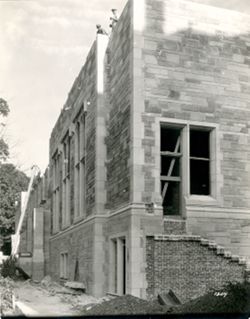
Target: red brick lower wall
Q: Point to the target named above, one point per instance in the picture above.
(186, 267)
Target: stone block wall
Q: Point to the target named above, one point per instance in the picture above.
(196, 68)
(118, 88)
(187, 267)
(191, 66)
(132, 224)
(231, 228)
(82, 237)
(79, 244)
(83, 92)
(34, 238)
(165, 61)
(47, 232)
(115, 226)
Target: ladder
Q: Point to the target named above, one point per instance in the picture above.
(15, 239)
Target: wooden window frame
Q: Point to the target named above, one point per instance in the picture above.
(187, 198)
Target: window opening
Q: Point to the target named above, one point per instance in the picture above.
(66, 181)
(56, 191)
(170, 169)
(80, 155)
(199, 162)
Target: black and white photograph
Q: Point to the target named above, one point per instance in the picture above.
(125, 158)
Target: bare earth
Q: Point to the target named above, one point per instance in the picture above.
(49, 299)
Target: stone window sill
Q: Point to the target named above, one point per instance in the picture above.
(200, 200)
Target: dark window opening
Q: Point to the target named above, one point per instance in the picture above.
(199, 173)
(199, 162)
(170, 169)
(171, 200)
(169, 138)
(166, 164)
(199, 144)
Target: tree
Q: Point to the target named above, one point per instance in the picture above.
(4, 107)
(4, 149)
(12, 183)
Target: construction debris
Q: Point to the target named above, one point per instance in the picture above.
(6, 296)
(124, 305)
(169, 299)
(75, 285)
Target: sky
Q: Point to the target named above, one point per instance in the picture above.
(43, 45)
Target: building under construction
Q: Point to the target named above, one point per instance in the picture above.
(148, 181)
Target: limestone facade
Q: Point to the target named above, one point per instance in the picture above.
(154, 137)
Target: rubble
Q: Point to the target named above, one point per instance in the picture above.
(49, 298)
(6, 295)
(75, 285)
(124, 305)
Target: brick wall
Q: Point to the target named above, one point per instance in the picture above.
(174, 226)
(118, 102)
(187, 267)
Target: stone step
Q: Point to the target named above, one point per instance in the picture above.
(243, 261)
(227, 254)
(235, 258)
(220, 250)
(212, 245)
(204, 242)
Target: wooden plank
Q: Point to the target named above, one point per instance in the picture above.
(199, 158)
(170, 170)
(171, 154)
(170, 178)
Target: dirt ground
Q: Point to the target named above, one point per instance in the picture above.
(50, 299)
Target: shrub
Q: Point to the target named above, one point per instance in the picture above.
(8, 268)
